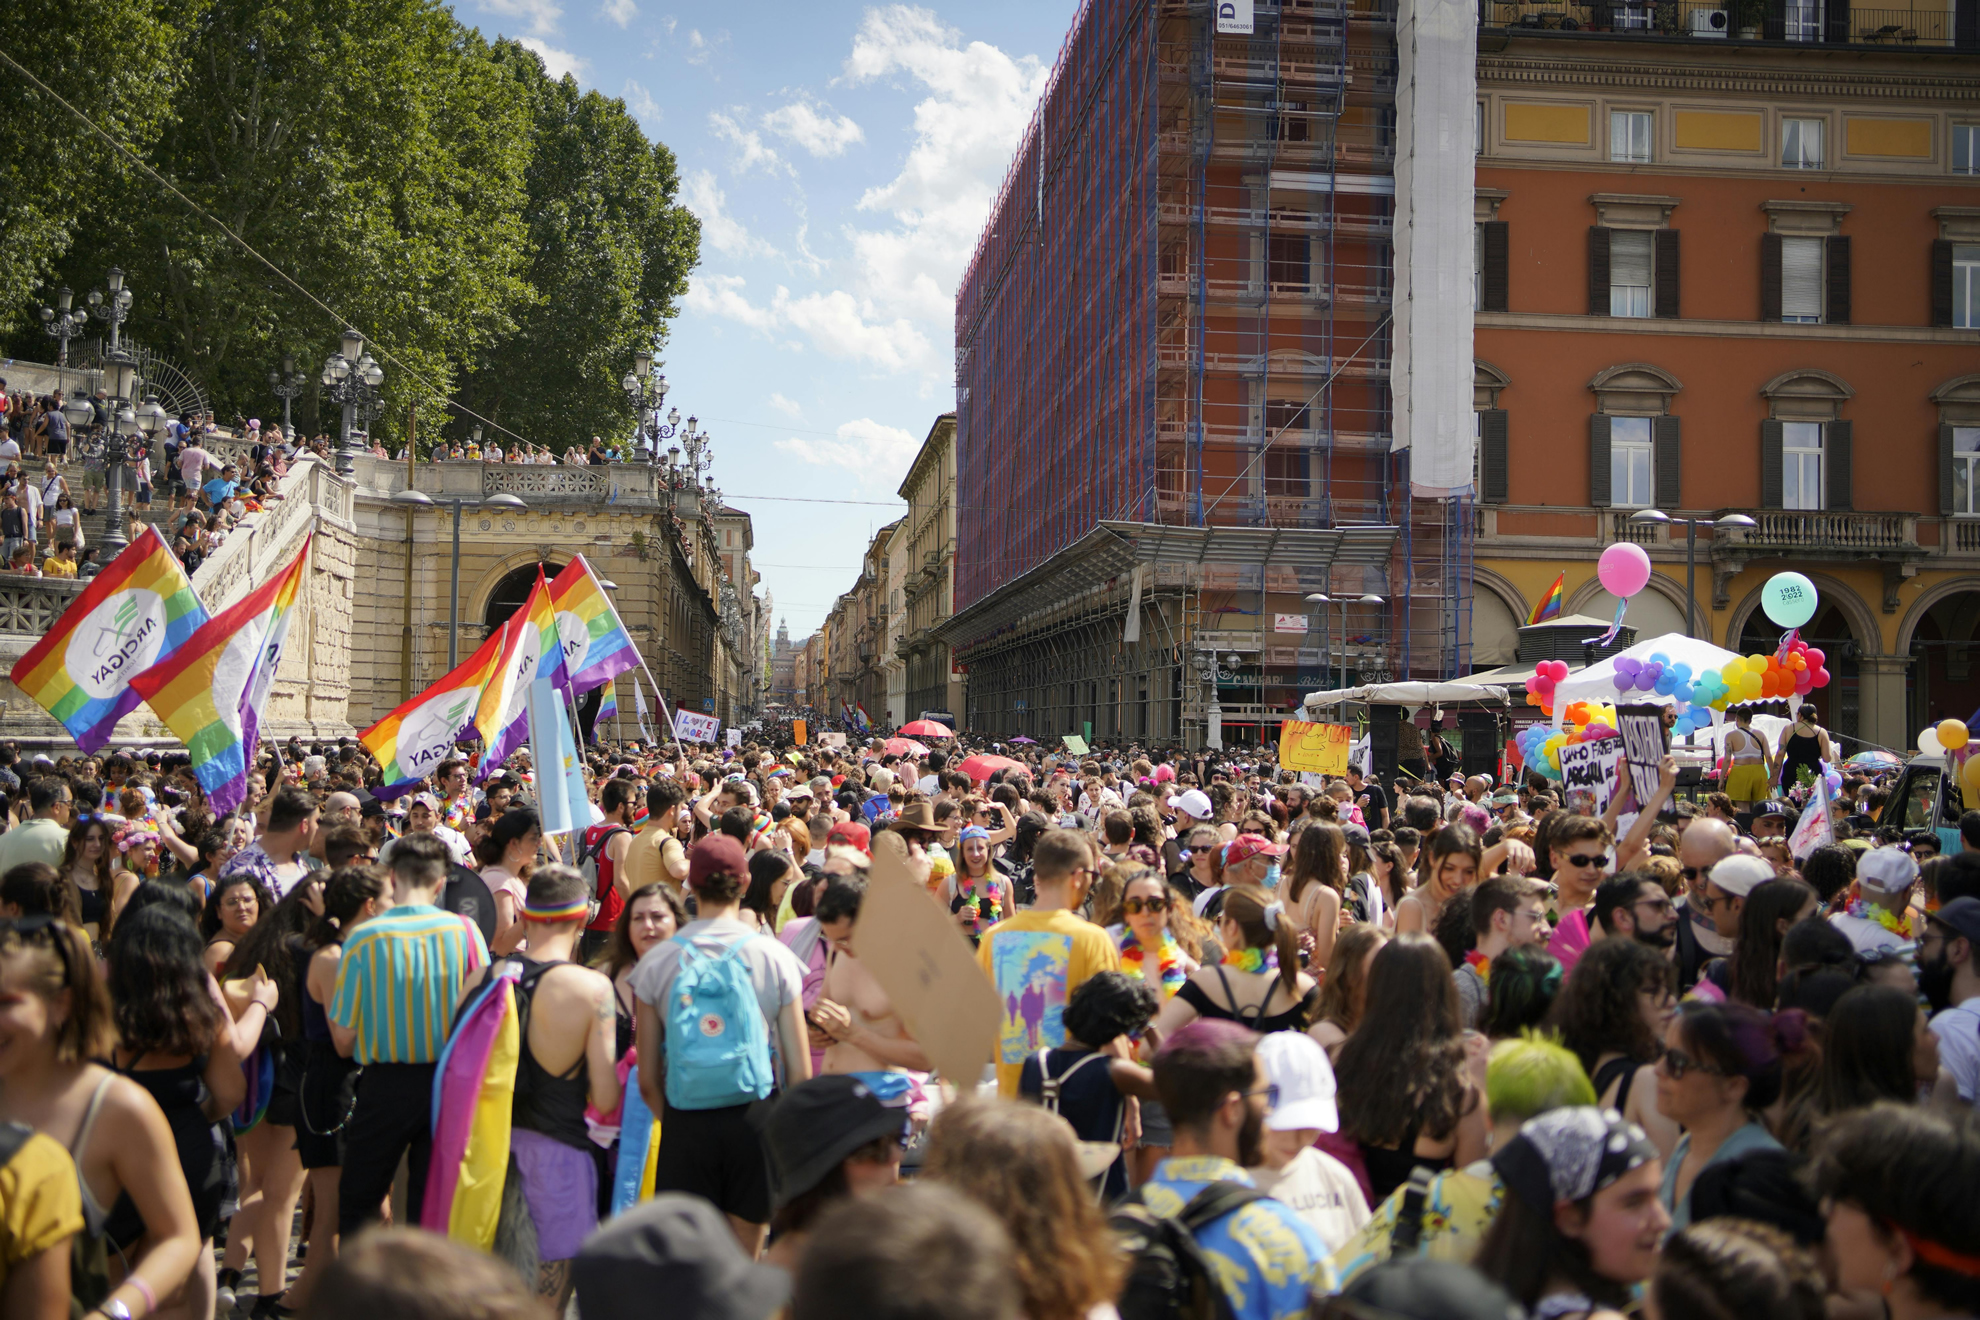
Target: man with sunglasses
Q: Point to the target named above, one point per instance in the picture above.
(1701, 847)
(1581, 852)
(1634, 906)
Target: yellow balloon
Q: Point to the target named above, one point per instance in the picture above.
(1757, 663)
(1952, 734)
(1731, 671)
(1969, 773)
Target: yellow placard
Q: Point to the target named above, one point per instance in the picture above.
(797, 732)
(1319, 748)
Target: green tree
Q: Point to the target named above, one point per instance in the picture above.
(608, 254)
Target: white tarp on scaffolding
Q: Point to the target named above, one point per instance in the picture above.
(1431, 373)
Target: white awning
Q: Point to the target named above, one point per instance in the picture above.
(1411, 694)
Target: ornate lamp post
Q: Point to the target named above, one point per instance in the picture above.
(285, 385)
(112, 310)
(349, 377)
(683, 475)
(647, 388)
(120, 382)
(63, 322)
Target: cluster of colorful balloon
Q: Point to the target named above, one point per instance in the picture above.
(1657, 674)
(1583, 721)
(1547, 675)
(1951, 739)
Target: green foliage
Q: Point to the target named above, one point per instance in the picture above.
(481, 223)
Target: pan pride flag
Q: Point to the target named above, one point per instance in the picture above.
(138, 611)
(537, 653)
(212, 690)
(413, 740)
(596, 644)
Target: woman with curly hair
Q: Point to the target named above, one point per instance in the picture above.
(1612, 1013)
(1406, 1095)
(1022, 1163)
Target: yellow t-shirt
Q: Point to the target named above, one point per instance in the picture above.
(1036, 960)
(57, 566)
(40, 1202)
(642, 864)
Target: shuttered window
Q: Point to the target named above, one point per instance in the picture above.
(1801, 279)
(1629, 272)
(1801, 465)
(1494, 467)
(1630, 486)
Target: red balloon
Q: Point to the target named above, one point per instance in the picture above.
(1821, 679)
(1803, 681)
(1815, 657)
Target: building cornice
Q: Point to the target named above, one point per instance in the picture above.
(1583, 325)
(1630, 71)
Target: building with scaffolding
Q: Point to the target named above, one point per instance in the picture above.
(1184, 404)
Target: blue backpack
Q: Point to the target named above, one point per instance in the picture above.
(718, 1046)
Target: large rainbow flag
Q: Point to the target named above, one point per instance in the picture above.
(538, 654)
(596, 643)
(414, 739)
(136, 612)
(212, 690)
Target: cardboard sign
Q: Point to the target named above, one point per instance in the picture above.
(690, 727)
(735, 737)
(1590, 768)
(1075, 744)
(797, 732)
(1321, 748)
(1645, 743)
(924, 962)
(832, 739)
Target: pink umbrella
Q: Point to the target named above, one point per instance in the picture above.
(905, 747)
(926, 729)
(981, 766)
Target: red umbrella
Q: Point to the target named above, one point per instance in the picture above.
(926, 729)
(905, 747)
(981, 766)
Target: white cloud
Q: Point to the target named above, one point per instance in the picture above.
(719, 229)
(879, 453)
(750, 151)
(640, 101)
(557, 62)
(966, 129)
(822, 135)
(540, 16)
(788, 407)
(622, 12)
(701, 48)
(835, 323)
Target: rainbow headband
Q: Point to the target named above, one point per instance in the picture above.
(570, 911)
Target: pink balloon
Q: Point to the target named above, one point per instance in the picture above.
(1624, 569)
(1821, 679)
(1815, 657)
(1803, 682)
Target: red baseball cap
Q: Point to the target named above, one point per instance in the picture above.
(1247, 846)
(852, 834)
(717, 854)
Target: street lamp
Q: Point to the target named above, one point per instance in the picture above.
(647, 388)
(63, 322)
(120, 382)
(351, 377)
(285, 385)
(1322, 598)
(1655, 517)
(419, 499)
(113, 309)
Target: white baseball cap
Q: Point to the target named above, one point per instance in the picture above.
(1195, 803)
(1887, 870)
(1297, 1065)
(1739, 874)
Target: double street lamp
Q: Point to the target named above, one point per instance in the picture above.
(1321, 598)
(647, 388)
(351, 378)
(63, 322)
(128, 419)
(419, 499)
(1656, 517)
(285, 385)
(111, 308)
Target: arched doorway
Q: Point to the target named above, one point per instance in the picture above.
(1945, 670)
(512, 593)
(1838, 705)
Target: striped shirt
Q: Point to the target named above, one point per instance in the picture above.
(400, 978)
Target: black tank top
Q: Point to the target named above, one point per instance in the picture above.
(1296, 1018)
(550, 1104)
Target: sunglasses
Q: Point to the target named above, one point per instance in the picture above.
(1134, 907)
(1584, 859)
(1677, 1063)
(1270, 1091)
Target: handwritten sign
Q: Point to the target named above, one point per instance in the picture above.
(735, 737)
(1075, 744)
(1645, 741)
(1321, 748)
(690, 727)
(1590, 768)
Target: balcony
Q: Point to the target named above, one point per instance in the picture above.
(1796, 22)
(1887, 539)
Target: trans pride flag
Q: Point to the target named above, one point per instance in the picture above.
(212, 690)
(596, 643)
(134, 614)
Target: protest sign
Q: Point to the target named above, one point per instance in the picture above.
(797, 732)
(1321, 748)
(924, 962)
(735, 737)
(1075, 744)
(1645, 742)
(832, 738)
(1590, 768)
(690, 727)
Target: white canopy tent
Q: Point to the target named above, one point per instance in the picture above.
(1598, 681)
(1411, 694)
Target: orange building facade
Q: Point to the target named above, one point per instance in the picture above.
(1737, 274)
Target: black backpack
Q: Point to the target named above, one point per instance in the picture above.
(1168, 1277)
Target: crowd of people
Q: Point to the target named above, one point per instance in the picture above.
(1266, 1045)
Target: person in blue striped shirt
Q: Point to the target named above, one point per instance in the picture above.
(397, 988)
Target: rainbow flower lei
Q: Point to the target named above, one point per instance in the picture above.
(1252, 960)
(982, 905)
(1480, 964)
(1883, 916)
(1168, 961)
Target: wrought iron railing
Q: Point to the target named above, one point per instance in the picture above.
(1800, 21)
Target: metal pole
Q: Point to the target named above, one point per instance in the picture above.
(454, 597)
(1690, 577)
(288, 431)
(115, 452)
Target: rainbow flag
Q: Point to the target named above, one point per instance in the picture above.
(135, 613)
(212, 690)
(413, 740)
(1549, 606)
(596, 643)
(538, 653)
(609, 707)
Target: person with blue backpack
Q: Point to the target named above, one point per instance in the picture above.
(720, 1007)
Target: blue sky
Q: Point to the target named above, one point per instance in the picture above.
(842, 158)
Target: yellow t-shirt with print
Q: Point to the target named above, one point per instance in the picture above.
(40, 1202)
(1036, 960)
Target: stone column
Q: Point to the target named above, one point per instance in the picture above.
(1883, 691)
